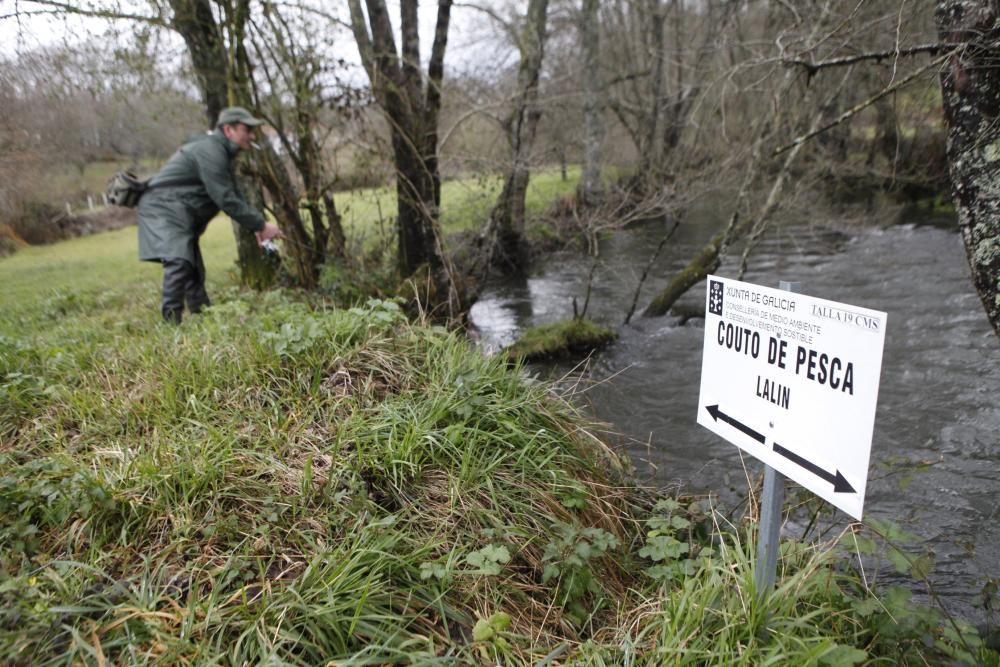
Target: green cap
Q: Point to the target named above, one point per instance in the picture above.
(231, 115)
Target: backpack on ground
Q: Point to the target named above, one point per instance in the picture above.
(125, 189)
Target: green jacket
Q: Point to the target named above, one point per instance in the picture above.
(193, 186)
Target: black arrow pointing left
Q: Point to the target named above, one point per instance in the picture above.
(840, 483)
(718, 414)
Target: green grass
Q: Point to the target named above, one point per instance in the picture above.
(105, 261)
(269, 480)
(282, 481)
(465, 203)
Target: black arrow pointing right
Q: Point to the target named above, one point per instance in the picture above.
(840, 483)
(718, 414)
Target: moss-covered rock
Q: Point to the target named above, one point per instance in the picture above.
(561, 339)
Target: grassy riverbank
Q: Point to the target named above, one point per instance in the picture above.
(281, 481)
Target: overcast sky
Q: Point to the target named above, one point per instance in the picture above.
(471, 40)
(23, 30)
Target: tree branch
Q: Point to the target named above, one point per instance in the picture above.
(649, 266)
(362, 38)
(55, 7)
(813, 67)
(860, 106)
(435, 66)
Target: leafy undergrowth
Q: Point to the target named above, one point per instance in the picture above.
(278, 482)
(575, 336)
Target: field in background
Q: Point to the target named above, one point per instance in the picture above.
(109, 259)
(73, 185)
(465, 203)
(464, 199)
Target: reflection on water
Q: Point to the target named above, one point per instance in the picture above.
(937, 406)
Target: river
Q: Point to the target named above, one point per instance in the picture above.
(935, 462)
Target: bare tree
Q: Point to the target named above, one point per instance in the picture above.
(411, 103)
(661, 50)
(591, 190)
(295, 86)
(505, 231)
(215, 33)
(780, 120)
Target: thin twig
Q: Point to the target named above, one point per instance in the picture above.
(649, 265)
(586, 300)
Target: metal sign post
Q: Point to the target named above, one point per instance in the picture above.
(771, 503)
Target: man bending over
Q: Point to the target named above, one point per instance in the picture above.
(193, 186)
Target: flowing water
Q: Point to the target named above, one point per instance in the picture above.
(938, 409)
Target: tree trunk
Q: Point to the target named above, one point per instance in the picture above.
(886, 139)
(417, 201)
(303, 255)
(970, 89)
(591, 189)
(194, 21)
(705, 262)
(328, 232)
(258, 270)
(505, 232)
(411, 105)
(652, 148)
(336, 239)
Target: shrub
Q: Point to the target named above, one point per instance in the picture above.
(37, 222)
(10, 242)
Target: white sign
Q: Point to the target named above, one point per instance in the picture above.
(793, 380)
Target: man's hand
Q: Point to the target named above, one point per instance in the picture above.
(270, 231)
